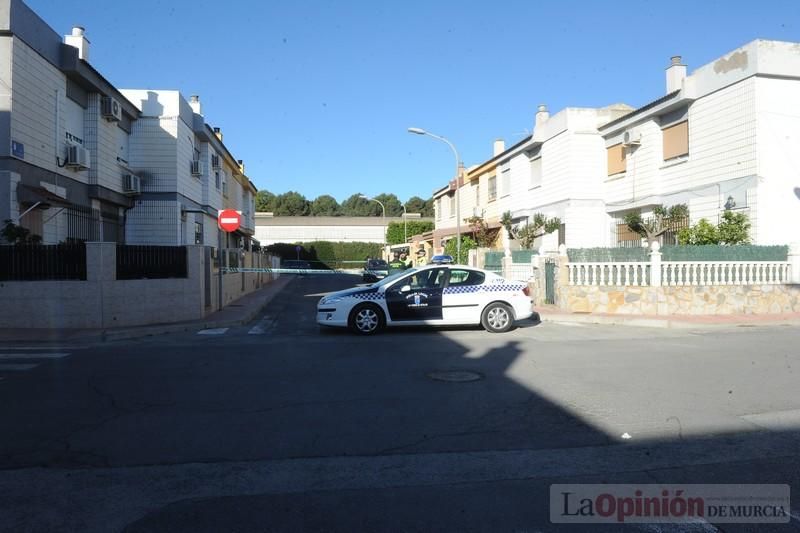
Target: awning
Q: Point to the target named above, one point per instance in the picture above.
(27, 195)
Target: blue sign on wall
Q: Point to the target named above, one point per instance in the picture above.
(18, 149)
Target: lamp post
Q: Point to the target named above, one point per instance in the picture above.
(419, 131)
(405, 223)
(383, 209)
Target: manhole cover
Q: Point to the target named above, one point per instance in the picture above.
(458, 376)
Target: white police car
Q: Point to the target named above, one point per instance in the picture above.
(430, 295)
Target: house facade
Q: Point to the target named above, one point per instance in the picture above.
(720, 138)
(64, 134)
(187, 175)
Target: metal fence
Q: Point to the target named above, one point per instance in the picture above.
(43, 262)
(151, 262)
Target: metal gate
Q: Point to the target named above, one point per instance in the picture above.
(207, 275)
(550, 281)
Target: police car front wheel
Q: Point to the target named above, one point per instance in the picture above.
(366, 319)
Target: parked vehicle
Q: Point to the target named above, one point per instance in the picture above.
(375, 270)
(431, 295)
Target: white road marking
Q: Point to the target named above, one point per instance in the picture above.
(795, 516)
(12, 367)
(43, 355)
(42, 348)
(256, 330)
(213, 331)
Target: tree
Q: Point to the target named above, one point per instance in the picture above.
(734, 228)
(393, 206)
(291, 204)
(662, 221)
(15, 234)
(527, 234)
(395, 231)
(704, 232)
(467, 244)
(265, 202)
(355, 206)
(325, 206)
(480, 230)
(415, 204)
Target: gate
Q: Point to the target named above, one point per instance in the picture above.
(550, 281)
(207, 275)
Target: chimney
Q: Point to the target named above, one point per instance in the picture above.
(499, 147)
(218, 133)
(78, 40)
(541, 116)
(676, 73)
(241, 165)
(194, 103)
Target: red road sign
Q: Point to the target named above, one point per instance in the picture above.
(229, 220)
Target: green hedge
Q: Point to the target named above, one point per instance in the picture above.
(711, 252)
(607, 255)
(715, 252)
(327, 253)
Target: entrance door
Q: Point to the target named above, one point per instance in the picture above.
(417, 297)
(550, 281)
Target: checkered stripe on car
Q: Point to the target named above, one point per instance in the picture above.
(478, 288)
(368, 296)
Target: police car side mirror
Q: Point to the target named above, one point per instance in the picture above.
(405, 288)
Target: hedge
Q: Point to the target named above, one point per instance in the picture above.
(327, 254)
(711, 252)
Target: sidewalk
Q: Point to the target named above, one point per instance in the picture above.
(550, 313)
(239, 312)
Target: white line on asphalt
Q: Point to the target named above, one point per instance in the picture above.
(42, 348)
(213, 331)
(16, 367)
(795, 516)
(256, 330)
(43, 355)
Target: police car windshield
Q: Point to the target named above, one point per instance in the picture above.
(391, 278)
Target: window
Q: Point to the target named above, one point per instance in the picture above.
(616, 159)
(452, 205)
(198, 233)
(438, 209)
(536, 172)
(676, 140)
(216, 179)
(477, 193)
(465, 277)
(505, 182)
(427, 279)
(492, 188)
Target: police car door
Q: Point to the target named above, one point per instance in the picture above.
(462, 297)
(417, 297)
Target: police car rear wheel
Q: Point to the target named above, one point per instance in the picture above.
(497, 318)
(366, 319)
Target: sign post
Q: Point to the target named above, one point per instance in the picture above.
(228, 221)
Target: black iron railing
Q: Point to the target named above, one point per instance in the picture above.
(43, 262)
(151, 262)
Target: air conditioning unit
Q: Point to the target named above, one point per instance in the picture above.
(631, 138)
(110, 109)
(77, 157)
(215, 162)
(131, 184)
(197, 168)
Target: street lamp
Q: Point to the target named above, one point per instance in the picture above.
(383, 208)
(419, 131)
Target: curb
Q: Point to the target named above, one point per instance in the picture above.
(659, 323)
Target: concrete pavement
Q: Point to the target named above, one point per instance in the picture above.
(283, 427)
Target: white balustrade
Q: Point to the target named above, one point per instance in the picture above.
(678, 273)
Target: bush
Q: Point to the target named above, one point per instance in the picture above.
(395, 231)
(327, 253)
(467, 244)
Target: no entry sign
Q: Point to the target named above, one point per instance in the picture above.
(229, 220)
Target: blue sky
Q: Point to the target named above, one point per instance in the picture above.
(316, 96)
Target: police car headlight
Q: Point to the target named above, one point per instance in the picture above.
(331, 300)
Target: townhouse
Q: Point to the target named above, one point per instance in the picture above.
(81, 160)
(721, 138)
(724, 137)
(185, 174)
(64, 134)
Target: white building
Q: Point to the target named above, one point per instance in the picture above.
(187, 175)
(64, 134)
(271, 229)
(726, 136)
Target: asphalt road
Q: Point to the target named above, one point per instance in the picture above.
(279, 426)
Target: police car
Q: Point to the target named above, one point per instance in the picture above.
(431, 295)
